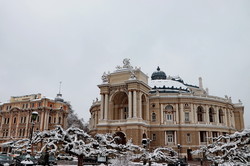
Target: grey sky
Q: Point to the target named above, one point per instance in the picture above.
(45, 42)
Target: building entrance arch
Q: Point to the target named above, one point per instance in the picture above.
(120, 106)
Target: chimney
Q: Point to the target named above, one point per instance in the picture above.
(200, 83)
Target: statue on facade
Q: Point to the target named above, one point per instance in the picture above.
(104, 78)
(126, 63)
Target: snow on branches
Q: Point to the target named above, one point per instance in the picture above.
(77, 142)
(160, 154)
(228, 148)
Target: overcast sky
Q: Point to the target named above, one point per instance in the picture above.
(45, 42)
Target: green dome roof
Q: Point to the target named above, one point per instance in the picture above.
(158, 75)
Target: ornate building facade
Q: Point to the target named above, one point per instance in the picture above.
(165, 109)
(15, 116)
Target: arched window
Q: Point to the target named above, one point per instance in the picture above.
(120, 105)
(221, 114)
(200, 114)
(211, 114)
(59, 120)
(169, 108)
(169, 113)
(153, 117)
(14, 121)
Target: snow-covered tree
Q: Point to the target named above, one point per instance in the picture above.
(21, 145)
(161, 154)
(74, 121)
(228, 148)
(76, 142)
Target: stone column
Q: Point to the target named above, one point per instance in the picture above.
(162, 114)
(193, 112)
(140, 106)
(46, 119)
(147, 109)
(175, 137)
(182, 115)
(134, 104)
(27, 131)
(228, 117)
(57, 117)
(106, 106)
(232, 119)
(177, 114)
(41, 121)
(216, 116)
(102, 106)
(17, 124)
(95, 119)
(129, 104)
(207, 114)
(225, 117)
(10, 123)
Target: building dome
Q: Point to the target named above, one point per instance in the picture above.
(59, 97)
(158, 75)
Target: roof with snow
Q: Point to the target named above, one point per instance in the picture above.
(169, 84)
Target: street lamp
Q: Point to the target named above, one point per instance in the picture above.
(145, 143)
(179, 149)
(33, 118)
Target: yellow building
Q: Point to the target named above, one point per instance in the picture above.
(165, 109)
(15, 116)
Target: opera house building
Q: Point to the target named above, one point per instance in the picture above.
(163, 108)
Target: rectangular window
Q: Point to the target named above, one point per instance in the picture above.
(169, 117)
(154, 137)
(186, 116)
(153, 117)
(7, 132)
(203, 136)
(170, 138)
(215, 134)
(188, 138)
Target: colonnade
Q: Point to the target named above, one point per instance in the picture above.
(135, 107)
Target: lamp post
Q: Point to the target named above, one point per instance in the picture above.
(179, 149)
(33, 118)
(145, 144)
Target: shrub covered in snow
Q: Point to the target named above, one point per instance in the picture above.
(229, 148)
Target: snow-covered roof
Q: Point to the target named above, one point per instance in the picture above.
(167, 84)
